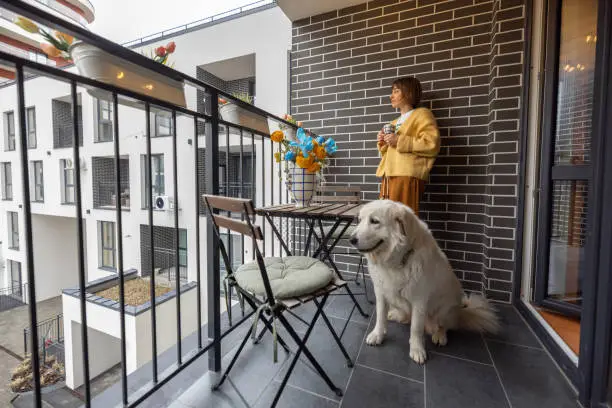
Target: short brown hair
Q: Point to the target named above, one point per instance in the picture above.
(411, 89)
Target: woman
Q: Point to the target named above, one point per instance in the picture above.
(408, 153)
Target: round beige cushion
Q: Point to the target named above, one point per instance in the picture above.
(291, 276)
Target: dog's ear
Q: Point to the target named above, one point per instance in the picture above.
(404, 217)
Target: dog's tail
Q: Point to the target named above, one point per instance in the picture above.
(478, 315)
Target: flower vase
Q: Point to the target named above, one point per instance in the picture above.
(301, 185)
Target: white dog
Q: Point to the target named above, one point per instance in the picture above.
(412, 275)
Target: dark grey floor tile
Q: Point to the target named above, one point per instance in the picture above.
(373, 389)
(200, 394)
(293, 398)
(514, 329)
(530, 377)
(464, 345)
(452, 383)
(340, 304)
(393, 355)
(329, 356)
(255, 368)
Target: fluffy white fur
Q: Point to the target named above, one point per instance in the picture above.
(413, 280)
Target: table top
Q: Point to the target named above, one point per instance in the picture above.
(328, 211)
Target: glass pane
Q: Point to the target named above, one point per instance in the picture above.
(576, 74)
(567, 240)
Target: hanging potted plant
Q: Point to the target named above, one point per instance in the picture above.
(230, 112)
(305, 159)
(94, 63)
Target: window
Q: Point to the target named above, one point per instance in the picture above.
(163, 124)
(63, 124)
(31, 127)
(106, 239)
(14, 272)
(67, 174)
(38, 184)
(105, 121)
(9, 131)
(157, 167)
(13, 230)
(183, 248)
(7, 181)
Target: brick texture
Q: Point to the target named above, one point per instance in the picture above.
(468, 54)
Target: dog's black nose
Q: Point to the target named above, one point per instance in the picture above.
(354, 240)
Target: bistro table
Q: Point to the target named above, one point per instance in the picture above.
(341, 214)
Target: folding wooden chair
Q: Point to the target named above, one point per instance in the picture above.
(345, 195)
(273, 286)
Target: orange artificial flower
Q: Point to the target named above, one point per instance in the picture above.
(50, 50)
(304, 162)
(320, 152)
(64, 37)
(277, 136)
(171, 47)
(314, 167)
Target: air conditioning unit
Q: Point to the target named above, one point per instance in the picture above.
(163, 203)
(70, 164)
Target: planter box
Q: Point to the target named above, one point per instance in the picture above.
(234, 114)
(97, 64)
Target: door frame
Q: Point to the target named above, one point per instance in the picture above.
(549, 172)
(590, 376)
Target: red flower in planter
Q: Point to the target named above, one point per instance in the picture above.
(170, 47)
(48, 342)
(161, 51)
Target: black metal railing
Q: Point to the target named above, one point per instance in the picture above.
(264, 169)
(50, 331)
(13, 296)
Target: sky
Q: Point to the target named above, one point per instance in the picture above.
(126, 20)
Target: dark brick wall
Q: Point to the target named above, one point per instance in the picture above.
(468, 55)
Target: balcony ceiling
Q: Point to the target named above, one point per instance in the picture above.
(299, 9)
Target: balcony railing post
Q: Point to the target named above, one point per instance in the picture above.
(81, 240)
(212, 243)
(27, 218)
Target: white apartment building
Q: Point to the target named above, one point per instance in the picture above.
(252, 58)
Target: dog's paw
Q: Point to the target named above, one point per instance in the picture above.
(439, 338)
(375, 338)
(418, 354)
(398, 316)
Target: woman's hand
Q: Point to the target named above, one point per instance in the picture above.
(391, 139)
(381, 136)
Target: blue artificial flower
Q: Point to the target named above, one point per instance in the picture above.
(320, 140)
(330, 146)
(290, 156)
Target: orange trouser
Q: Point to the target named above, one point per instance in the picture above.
(405, 189)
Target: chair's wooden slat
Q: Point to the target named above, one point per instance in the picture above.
(238, 226)
(230, 203)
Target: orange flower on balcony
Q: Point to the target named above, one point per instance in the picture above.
(67, 38)
(320, 152)
(277, 136)
(315, 167)
(304, 162)
(171, 47)
(50, 50)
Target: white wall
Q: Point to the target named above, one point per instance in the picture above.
(55, 260)
(266, 34)
(107, 335)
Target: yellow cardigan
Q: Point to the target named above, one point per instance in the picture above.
(418, 145)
